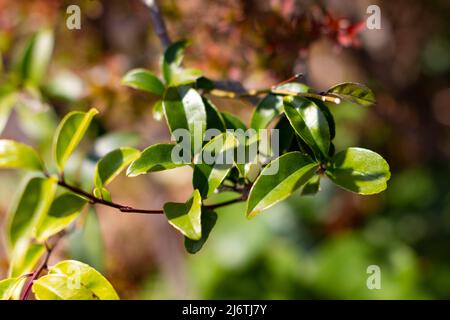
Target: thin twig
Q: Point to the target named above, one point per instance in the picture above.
(158, 23)
(38, 271)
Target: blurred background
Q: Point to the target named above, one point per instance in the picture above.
(305, 247)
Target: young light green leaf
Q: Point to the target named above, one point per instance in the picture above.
(63, 211)
(69, 134)
(310, 124)
(144, 80)
(36, 57)
(155, 158)
(184, 109)
(30, 209)
(112, 164)
(186, 217)
(89, 278)
(102, 193)
(214, 163)
(18, 155)
(278, 180)
(8, 286)
(61, 287)
(354, 92)
(359, 170)
(272, 105)
(209, 219)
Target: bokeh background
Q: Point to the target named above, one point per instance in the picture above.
(305, 247)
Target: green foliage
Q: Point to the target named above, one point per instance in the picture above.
(69, 134)
(73, 280)
(186, 217)
(48, 204)
(359, 170)
(294, 170)
(19, 156)
(144, 80)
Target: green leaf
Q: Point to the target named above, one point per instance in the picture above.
(158, 111)
(359, 170)
(155, 158)
(278, 180)
(88, 277)
(214, 119)
(310, 124)
(328, 115)
(143, 80)
(286, 134)
(208, 176)
(17, 155)
(25, 258)
(63, 211)
(34, 63)
(102, 193)
(112, 164)
(209, 219)
(60, 287)
(186, 217)
(233, 122)
(354, 92)
(184, 109)
(69, 134)
(30, 209)
(8, 286)
(312, 186)
(272, 105)
(173, 73)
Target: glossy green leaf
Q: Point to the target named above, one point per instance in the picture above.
(279, 179)
(233, 122)
(310, 124)
(8, 286)
(25, 258)
(143, 80)
(18, 155)
(354, 92)
(63, 211)
(312, 186)
(60, 287)
(112, 165)
(184, 109)
(286, 134)
(214, 119)
(34, 63)
(328, 115)
(69, 134)
(359, 170)
(155, 158)
(272, 105)
(88, 277)
(208, 176)
(173, 73)
(186, 217)
(208, 219)
(30, 209)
